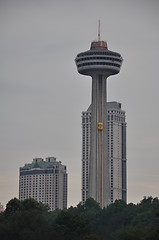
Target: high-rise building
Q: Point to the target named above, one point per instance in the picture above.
(116, 136)
(99, 63)
(44, 181)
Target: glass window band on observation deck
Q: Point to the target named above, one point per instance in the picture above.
(99, 53)
(99, 58)
(98, 63)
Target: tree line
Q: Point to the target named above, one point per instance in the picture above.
(30, 220)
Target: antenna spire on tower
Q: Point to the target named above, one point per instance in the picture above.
(98, 30)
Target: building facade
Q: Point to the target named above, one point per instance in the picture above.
(116, 136)
(44, 181)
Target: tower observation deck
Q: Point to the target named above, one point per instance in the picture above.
(99, 63)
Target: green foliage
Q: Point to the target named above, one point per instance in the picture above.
(13, 206)
(74, 226)
(91, 204)
(28, 219)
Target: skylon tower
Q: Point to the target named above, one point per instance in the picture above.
(99, 63)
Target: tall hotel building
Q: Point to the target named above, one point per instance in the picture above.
(44, 181)
(116, 151)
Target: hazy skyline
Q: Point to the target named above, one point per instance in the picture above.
(42, 95)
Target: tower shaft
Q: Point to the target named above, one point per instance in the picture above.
(99, 187)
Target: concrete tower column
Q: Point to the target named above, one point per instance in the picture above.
(98, 174)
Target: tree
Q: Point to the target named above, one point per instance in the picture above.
(71, 226)
(28, 219)
(13, 206)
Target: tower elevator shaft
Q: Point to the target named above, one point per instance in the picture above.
(99, 186)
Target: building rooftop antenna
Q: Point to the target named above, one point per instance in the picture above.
(98, 30)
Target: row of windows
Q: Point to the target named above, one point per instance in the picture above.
(38, 185)
(85, 119)
(27, 191)
(117, 112)
(38, 180)
(43, 196)
(37, 176)
(116, 118)
(99, 63)
(85, 137)
(99, 53)
(86, 130)
(85, 113)
(99, 58)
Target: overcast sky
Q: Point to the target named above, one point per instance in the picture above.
(42, 95)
